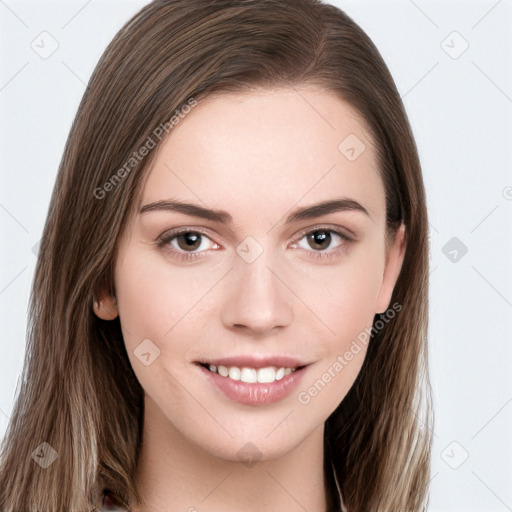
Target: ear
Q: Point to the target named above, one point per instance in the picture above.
(105, 305)
(394, 262)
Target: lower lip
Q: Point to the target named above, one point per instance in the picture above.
(257, 393)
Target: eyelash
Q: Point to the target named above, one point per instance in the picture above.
(164, 240)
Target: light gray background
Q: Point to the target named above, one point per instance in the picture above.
(460, 107)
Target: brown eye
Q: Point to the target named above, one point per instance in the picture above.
(323, 242)
(189, 240)
(319, 240)
(187, 244)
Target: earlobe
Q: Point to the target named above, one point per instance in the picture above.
(105, 307)
(392, 270)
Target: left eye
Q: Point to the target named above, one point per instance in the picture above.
(320, 239)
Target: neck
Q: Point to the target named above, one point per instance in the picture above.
(174, 475)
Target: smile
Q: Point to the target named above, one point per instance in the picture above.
(251, 375)
(253, 381)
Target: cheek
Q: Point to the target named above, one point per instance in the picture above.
(153, 304)
(163, 303)
(347, 311)
(153, 296)
(344, 295)
(149, 306)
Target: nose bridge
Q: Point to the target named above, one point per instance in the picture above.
(258, 300)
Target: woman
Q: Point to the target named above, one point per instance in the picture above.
(186, 354)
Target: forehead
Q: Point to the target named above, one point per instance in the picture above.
(270, 148)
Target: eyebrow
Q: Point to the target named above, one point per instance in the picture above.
(307, 212)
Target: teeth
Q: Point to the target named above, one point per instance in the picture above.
(234, 373)
(266, 375)
(249, 375)
(252, 375)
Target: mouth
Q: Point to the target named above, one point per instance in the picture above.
(253, 381)
(250, 375)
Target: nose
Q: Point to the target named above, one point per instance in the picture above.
(257, 299)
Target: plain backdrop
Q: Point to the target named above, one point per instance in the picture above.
(451, 61)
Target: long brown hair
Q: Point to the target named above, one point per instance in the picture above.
(79, 393)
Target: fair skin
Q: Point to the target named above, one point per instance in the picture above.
(259, 156)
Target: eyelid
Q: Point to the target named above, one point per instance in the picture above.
(170, 234)
(345, 232)
(184, 229)
(342, 232)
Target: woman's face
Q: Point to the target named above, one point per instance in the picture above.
(269, 283)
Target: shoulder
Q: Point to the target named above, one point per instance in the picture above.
(109, 502)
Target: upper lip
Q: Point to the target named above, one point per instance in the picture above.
(253, 361)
